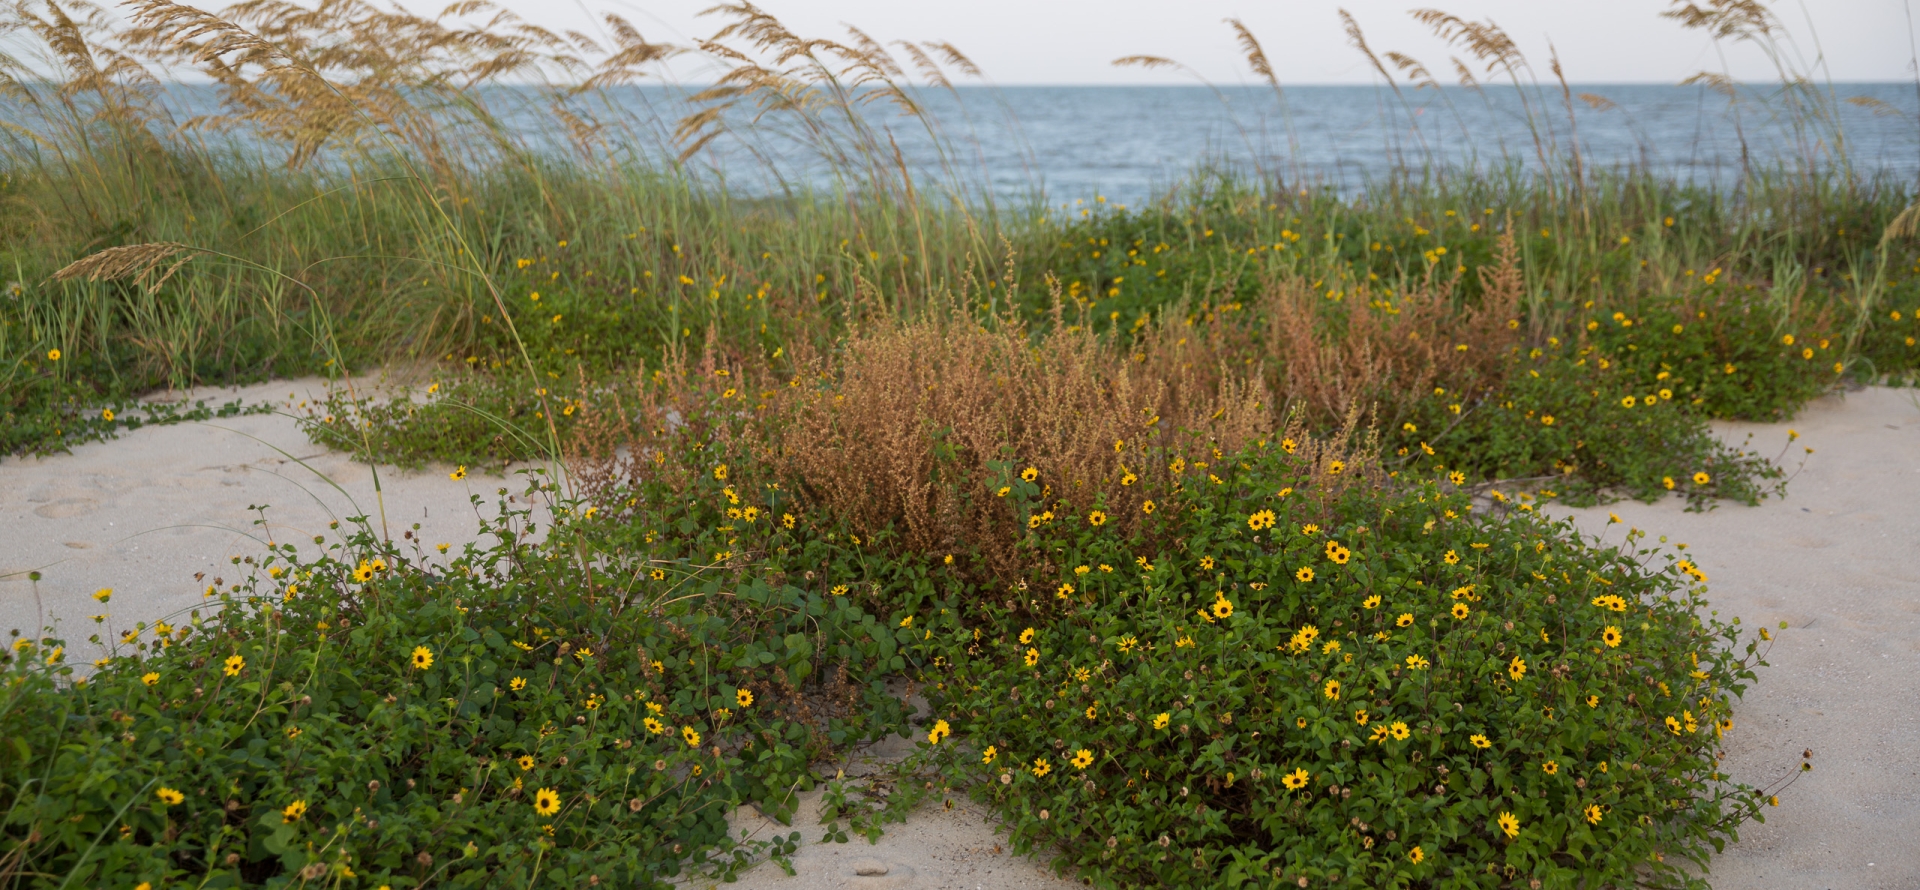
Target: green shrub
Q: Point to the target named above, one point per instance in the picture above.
(1377, 686)
(593, 704)
(1586, 428)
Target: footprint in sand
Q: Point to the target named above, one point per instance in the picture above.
(66, 507)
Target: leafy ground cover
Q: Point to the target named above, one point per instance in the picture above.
(1224, 661)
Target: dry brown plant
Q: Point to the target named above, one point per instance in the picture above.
(1364, 353)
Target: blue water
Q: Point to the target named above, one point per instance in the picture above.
(1130, 144)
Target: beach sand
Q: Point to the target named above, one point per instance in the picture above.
(1838, 559)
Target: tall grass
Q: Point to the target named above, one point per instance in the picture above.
(369, 195)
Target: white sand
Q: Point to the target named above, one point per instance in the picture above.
(1839, 559)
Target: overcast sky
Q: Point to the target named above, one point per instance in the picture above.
(1075, 41)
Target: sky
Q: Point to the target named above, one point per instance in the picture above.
(1019, 42)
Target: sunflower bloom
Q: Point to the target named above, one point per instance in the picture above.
(1510, 825)
(1295, 780)
(169, 796)
(422, 657)
(546, 802)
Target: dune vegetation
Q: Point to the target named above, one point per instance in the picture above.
(1207, 529)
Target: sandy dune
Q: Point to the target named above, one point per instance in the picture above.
(1838, 559)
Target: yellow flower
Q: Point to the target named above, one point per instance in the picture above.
(1451, 558)
(744, 697)
(720, 473)
(1517, 668)
(1551, 767)
(1262, 519)
(1611, 635)
(1399, 731)
(293, 811)
(422, 657)
(1082, 759)
(546, 802)
(169, 796)
(363, 574)
(1304, 575)
(53, 355)
(1337, 467)
(1701, 478)
(234, 665)
(1510, 825)
(1033, 657)
(1370, 602)
(1337, 553)
(103, 594)
(458, 474)
(150, 678)
(654, 727)
(1480, 741)
(1332, 690)
(691, 737)
(1029, 474)
(1595, 813)
(1416, 855)
(1161, 719)
(1222, 607)
(940, 731)
(1041, 767)
(988, 755)
(1146, 507)
(1456, 477)
(1096, 518)
(517, 683)
(1026, 636)
(1417, 662)
(1460, 610)
(1405, 619)
(1295, 780)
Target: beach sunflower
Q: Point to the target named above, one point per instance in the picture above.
(1460, 611)
(1161, 720)
(292, 812)
(150, 678)
(1041, 767)
(169, 796)
(546, 802)
(690, 736)
(744, 697)
(940, 731)
(1509, 824)
(1595, 813)
(422, 657)
(458, 474)
(1295, 780)
(1611, 635)
(1304, 575)
(525, 761)
(234, 665)
(1405, 619)
(1331, 690)
(1517, 668)
(1082, 759)
(1480, 741)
